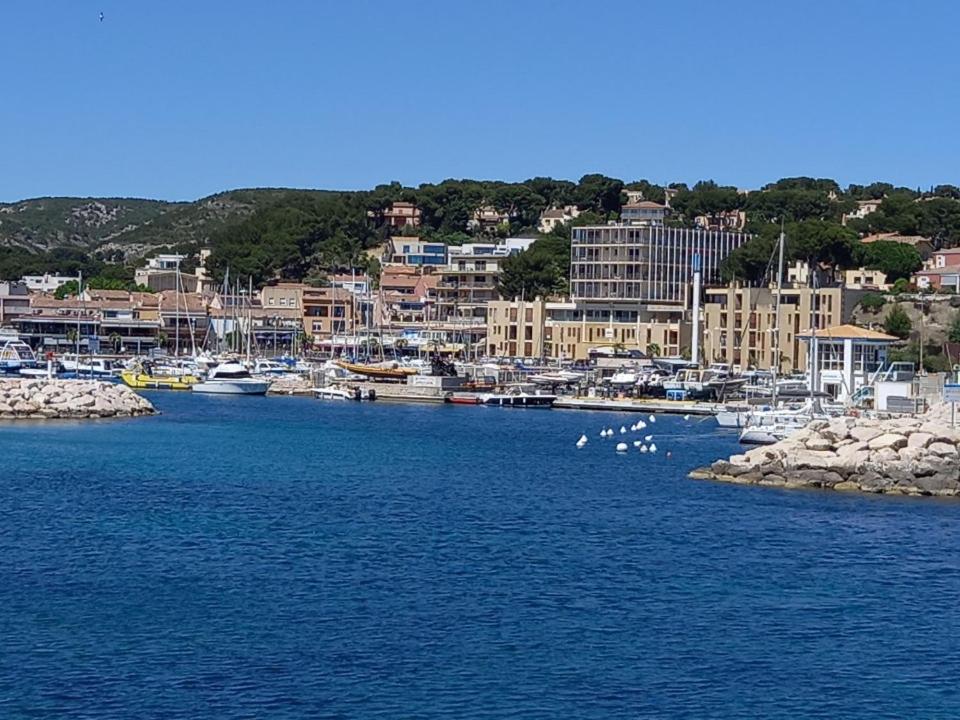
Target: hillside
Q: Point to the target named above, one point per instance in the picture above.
(123, 227)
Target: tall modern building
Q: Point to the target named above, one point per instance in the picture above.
(644, 264)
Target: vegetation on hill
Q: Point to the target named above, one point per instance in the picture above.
(271, 233)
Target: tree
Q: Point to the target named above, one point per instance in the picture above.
(897, 323)
(706, 198)
(530, 274)
(895, 260)
(954, 334)
(872, 302)
(653, 350)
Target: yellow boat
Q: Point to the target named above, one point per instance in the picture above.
(379, 372)
(140, 380)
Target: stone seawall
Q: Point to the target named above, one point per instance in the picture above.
(905, 456)
(22, 399)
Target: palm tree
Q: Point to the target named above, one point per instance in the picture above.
(653, 350)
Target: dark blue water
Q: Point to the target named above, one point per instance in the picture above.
(285, 558)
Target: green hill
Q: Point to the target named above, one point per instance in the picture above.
(124, 226)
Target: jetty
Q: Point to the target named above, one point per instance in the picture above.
(40, 399)
(910, 455)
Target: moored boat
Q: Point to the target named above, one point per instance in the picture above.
(231, 378)
(145, 377)
(386, 371)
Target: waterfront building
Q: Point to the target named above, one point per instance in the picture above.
(14, 300)
(644, 265)
(848, 358)
(184, 319)
(568, 331)
(327, 311)
(741, 327)
(112, 322)
(414, 251)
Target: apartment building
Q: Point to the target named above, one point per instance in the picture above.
(741, 327)
(643, 212)
(564, 331)
(414, 251)
(14, 300)
(648, 265)
(327, 311)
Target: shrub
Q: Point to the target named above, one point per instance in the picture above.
(871, 302)
(898, 323)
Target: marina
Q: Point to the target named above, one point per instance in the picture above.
(616, 556)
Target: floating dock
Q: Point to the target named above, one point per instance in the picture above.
(675, 407)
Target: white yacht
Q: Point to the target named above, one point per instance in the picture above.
(16, 357)
(270, 367)
(231, 378)
(90, 367)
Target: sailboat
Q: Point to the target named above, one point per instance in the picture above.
(768, 427)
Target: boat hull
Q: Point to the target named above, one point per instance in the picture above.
(142, 381)
(231, 387)
(520, 401)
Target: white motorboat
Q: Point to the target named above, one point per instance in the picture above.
(231, 378)
(270, 367)
(335, 393)
(518, 399)
(90, 367)
(16, 357)
(623, 379)
(768, 427)
(737, 416)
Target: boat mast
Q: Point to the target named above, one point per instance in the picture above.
(776, 324)
(79, 308)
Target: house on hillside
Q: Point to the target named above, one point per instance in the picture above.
(864, 208)
(551, 217)
(922, 245)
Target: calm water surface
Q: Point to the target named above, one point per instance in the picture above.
(286, 558)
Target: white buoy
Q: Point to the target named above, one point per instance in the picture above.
(637, 443)
(623, 430)
(641, 425)
(648, 438)
(643, 448)
(621, 447)
(686, 417)
(633, 428)
(582, 441)
(652, 419)
(653, 447)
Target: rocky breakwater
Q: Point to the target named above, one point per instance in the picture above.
(905, 456)
(53, 399)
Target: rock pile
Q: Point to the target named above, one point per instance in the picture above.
(50, 399)
(907, 455)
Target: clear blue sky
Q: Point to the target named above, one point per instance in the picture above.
(182, 98)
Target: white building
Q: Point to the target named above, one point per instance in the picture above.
(848, 358)
(45, 283)
(551, 217)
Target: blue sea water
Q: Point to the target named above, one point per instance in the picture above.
(288, 558)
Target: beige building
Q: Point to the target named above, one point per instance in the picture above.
(569, 331)
(740, 323)
(327, 311)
